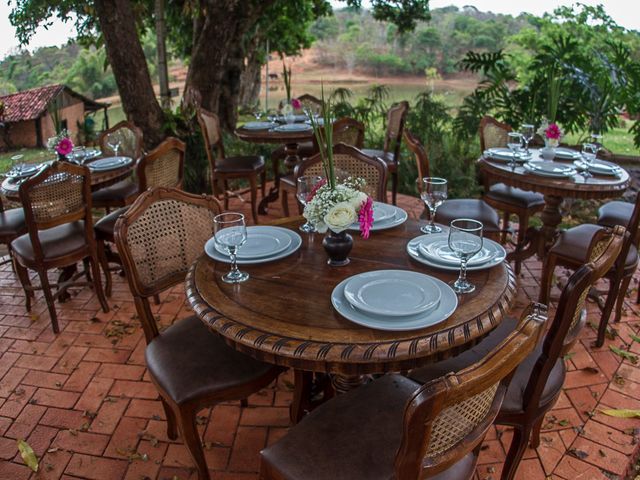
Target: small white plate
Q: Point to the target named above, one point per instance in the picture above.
(413, 249)
(395, 293)
(296, 241)
(383, 211)
(567, 153)
(257, 125)
(446, 307)
(550, 169)
(439, 251)
(600, 167)
(399, 217)
(293, 127)
(24, 170)
(505, 154)
(262, 241)
(110, 163)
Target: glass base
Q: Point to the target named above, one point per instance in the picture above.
(462, 286)
(235, 277)
(430, 229)
(307, 228)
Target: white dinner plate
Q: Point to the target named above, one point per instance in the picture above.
(414, 251)
(23, 170)
(110, 163)
(438, 251)
(398, 218)
(600, 167)
(446, 307)
(296, 241)
(257, 125)
(293, 127)
(262, 241)
(567, 154)
(394, 293)
(382, 211)
(505, 155)
(550, 169)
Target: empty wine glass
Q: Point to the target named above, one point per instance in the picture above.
(306, 186)
(465, 240)
(433, 194)
(257, 112)
(589, 152)
(597, 139)
(113, 142)
(514, 142)
(230, 233)
(528, 131)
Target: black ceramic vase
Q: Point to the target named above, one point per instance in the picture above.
(337, 246)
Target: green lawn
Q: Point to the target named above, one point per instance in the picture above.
(28, 155)
(618, 140)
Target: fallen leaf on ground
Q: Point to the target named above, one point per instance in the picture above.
(624, 354)
(28, 455)
(622, 412)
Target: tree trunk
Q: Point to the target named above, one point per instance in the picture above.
(251, 79)
(161, 47)
(127, 60)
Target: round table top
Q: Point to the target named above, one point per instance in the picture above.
(283, 313)
(101, 179)
(271, 136)
(598, 186)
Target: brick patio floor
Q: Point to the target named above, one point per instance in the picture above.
(83, 400)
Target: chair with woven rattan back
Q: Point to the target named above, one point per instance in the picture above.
(538, 380)
(57, 208)
(509, 200)
(395, 428)
(162, 167)
(159, 238)
(223, 168)
(12, 225)
(124, 192)
(345, 130)
(310, 103)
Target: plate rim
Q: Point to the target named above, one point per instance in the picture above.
(296, 243)
(468, 264)
(261, 227)
(400, 217)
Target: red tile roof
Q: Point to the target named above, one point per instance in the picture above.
(28, 104)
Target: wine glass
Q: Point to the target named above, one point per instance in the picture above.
(230, 233)
(113, 142)
(433, 194)
(465, 240)
(528, 131)
(589, 152)
(514, 142)
(306, 186)
(257, 112)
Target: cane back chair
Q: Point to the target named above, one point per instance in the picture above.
(12, 225)
(537, 382)
(57, 208)
(159, 238)
(393, 428)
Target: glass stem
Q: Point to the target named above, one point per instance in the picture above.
(462, 278)
(234, 266)
(432, 215)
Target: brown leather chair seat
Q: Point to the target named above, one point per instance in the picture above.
(468, 208)
(515, 196)
(189, 361)
(56, 242)
(615, 213)
(513, 401)
(105, 226)
(248, 163)
(352, 437)
(123, 191)
(387, 157)
(12, 223)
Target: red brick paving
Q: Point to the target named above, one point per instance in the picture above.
(84, 403)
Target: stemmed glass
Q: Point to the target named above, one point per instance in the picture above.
(514, 142)
(306, 185)
(257, 112)
(433, 194)
(465, 240)
(113, 141)
(589, 152)
(528, 131)
(230, 233)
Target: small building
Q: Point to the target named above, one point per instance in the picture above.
(29, 118)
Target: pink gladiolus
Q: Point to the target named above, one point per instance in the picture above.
(296, 104)
(553, 132)
(365, 217)
(65, 146)
(315, 189)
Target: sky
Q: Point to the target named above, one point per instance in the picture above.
(624, 12)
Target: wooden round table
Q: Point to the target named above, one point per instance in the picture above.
(555, 190)
(290, 140)
(283, 313)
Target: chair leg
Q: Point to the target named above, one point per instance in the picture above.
(93, 261)
(172, 428)
(225, 186)
(523, 225)
(547, 276)
(23, 276)
(394, 187)
(244, 403)
(104, 263)
(254, 197)
(284, 198)
(191, 438)
(535, 434)
(46, 288)
(263, 183)
(518, 446)
(505, 226)
(622, 293)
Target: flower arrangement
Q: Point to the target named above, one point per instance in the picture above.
(289, 107)
(551, 133)
(61, 143)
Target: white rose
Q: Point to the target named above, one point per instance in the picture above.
(340, 217)
(358, 198)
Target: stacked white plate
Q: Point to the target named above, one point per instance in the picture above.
(550, 169)
(110, 163)
(257, 125)
(433, 250)
(264, 244)
(567, 154)
(394, 300)
(600, 167)
(385, 216)
(505, 155)
(24, 170)
(293, 127)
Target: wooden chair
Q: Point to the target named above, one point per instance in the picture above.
(309, 102)
(12, 225)
(345, 130)
(537, 382)
(393, 428)
(124, 192)
(509, 200)
(57, 208)
(571, 249)
(159, 238)
(456, 208)
(224, 168)
(390, 153)
(162, 167)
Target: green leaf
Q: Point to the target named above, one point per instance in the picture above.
(626, 355)
(622, 413)
(28, 455)
(635, 338)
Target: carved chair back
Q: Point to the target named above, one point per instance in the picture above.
(158, 239)
(163, 166)
(420, 153)
(449, 417)
(131, 140)
(345, 130)
(493, 134)
(212, 134)
(396, 117)
(309, 102)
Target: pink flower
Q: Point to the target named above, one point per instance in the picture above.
(296, 104)
(365, 217)
(65, 146)
(315, 189)
(553, 131)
